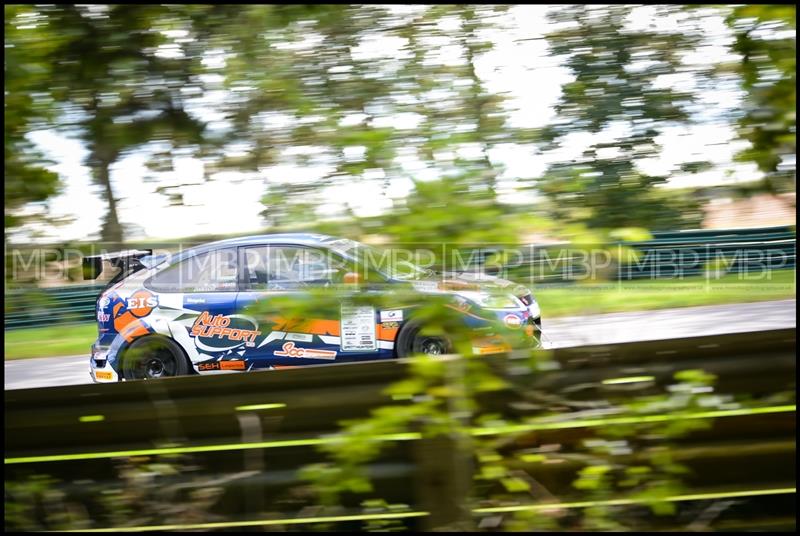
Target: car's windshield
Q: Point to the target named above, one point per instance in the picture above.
(392, 263)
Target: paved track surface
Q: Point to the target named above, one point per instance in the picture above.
(559, 332)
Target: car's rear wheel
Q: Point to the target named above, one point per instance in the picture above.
(153, 357)
(414, 339)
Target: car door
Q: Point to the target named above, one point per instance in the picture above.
(197, 297)
(302, 305)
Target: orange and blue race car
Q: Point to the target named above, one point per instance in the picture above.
(221, 307)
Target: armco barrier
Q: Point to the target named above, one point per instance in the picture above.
(669, 254)
(254, 431)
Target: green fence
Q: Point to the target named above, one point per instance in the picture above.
(34, 307)
(676, 254)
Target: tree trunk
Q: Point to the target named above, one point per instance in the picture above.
(477, 101)
(111, 232)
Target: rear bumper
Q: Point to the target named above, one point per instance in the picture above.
(100, 369)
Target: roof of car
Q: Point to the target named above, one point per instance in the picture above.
(305, 239)
(298, 238)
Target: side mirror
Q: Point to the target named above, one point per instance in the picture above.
(352, 278)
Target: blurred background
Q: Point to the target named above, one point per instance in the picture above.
(663, 129)
(135, 123)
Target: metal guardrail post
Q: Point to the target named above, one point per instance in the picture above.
(443, 483)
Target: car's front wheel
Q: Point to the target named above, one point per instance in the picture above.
(153, 357)
(415, 339)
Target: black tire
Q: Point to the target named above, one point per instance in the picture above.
(153, 357)
(411, 341)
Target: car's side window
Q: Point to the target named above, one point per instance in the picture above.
(214, 271)
(290, 267)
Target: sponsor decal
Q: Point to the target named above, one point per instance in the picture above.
(290, 350)
(390, 325)
(101, 375)
(220, 332)
(498, 349)
(103, 317)
(195, 300)
(105, 301)
(358, 328)
(512, 321)
(392, 316)
(490, 345)
(222, 365)
(141, 303)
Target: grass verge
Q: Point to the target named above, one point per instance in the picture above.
(72, 339)
(611, 297)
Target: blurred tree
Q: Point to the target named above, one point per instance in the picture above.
(27, 107)
(367, 95)
(122, 77)
(766, 39)
(461, 120)
(448, 210)
(619, 98)
(292, 83)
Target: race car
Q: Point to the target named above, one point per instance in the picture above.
(225, 307)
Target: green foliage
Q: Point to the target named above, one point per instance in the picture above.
(640, 459)
(145, 492)
(766, 40)
(616, 87)
(636, 461)
(451, 211)
(119, 87)
(27, 107)
(345, 103)
(107, 81)
(25, 499)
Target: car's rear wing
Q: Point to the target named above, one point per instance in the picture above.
(128, 260)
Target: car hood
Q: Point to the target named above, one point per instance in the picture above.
(470, 282)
